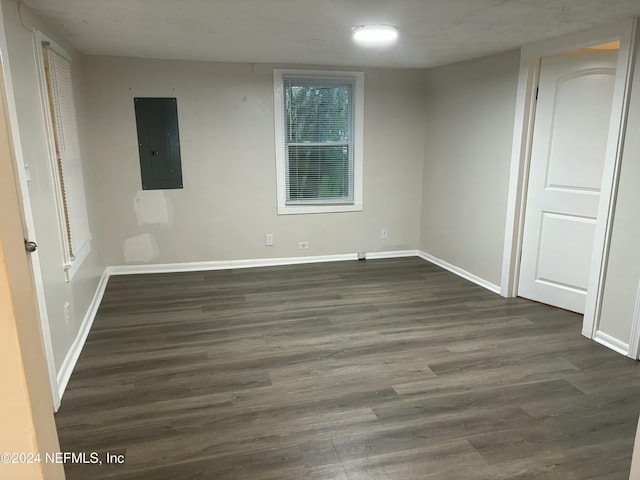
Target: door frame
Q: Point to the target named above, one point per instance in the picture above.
(525, 111)
(27, 214)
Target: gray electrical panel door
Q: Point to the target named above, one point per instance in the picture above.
(158, 143)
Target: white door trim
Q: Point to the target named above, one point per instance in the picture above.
(27, 215)
(521, 150)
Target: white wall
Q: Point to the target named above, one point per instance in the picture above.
(33, 140)
(470, 111)
(228, 203)
(623, 272)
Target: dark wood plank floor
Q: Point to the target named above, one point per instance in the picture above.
(385, 369)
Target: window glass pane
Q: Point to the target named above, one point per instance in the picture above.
(318, 113)
(318, 132)
(319, 172)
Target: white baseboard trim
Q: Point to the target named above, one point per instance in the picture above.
(460, 272)
(252, 263)
(611, 342)
(73, 354)
(392, 254)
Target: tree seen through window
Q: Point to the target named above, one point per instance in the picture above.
(319, 140)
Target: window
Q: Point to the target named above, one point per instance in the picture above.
(319, 125)
(68, 177)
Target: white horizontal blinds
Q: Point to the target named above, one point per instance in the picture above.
(63, 109)
(319, 139)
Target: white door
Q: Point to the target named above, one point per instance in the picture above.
(565, 177)
(6, 91)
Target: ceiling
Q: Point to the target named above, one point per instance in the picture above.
(432, 32)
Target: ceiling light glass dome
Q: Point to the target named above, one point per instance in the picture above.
(375, 35)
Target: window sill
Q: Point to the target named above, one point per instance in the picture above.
(310, 209)
(72, 268)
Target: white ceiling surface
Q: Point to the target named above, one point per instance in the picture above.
(432, 32)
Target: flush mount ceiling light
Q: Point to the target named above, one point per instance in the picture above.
(375, 35)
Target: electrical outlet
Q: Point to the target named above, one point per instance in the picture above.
(384, 234)
(268, 239)
(303, 245)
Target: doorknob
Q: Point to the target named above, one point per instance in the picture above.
(30, 247)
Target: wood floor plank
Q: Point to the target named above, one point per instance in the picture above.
(376, 370)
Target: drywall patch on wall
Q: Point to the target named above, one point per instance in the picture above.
(153, 207)
(142, 248)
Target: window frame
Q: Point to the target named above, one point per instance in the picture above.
(280, 133)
